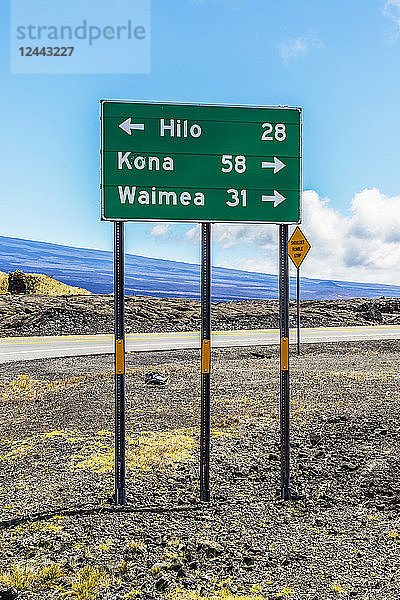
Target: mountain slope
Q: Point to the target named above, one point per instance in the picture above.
(93, 270)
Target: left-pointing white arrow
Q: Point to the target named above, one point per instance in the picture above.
(128, 126)
(277, 198)
(277, 165)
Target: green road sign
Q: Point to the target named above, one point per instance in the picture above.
(190, 162)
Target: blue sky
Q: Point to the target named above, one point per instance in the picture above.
(338, 60)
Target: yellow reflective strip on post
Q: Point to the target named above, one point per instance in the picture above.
(284, 354)
(205, 356)
(119, 357)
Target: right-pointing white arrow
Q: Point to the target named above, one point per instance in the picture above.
(277, 165)
(277, 198)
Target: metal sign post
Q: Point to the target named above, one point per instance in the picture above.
(205, 362)
(298, 249)
(284, 355)
(119, 494)
(298, 310)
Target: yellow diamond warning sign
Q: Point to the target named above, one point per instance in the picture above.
(298, 247)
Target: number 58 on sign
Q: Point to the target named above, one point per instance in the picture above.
(187, 162)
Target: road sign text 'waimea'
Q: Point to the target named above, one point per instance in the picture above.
(186, 162)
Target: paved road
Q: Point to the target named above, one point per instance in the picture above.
(23, 348)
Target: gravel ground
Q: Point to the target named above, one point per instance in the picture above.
(338, 537)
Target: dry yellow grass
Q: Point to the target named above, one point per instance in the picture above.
(19, 576)
(37, 283)
(25, 387)
(83, 585)
(146, 452)
(23, 576)
(182, 594)
(43, 284)
(87, 583)
(366, 375)
(3, 282)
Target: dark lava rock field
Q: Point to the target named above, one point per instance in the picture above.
(32, 314)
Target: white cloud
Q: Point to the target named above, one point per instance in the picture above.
(392, 10)
(160, 230)
(364, 246)
(193, 235)
(361, 246)
(227, 235)
(293, 49)
(231, 235)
